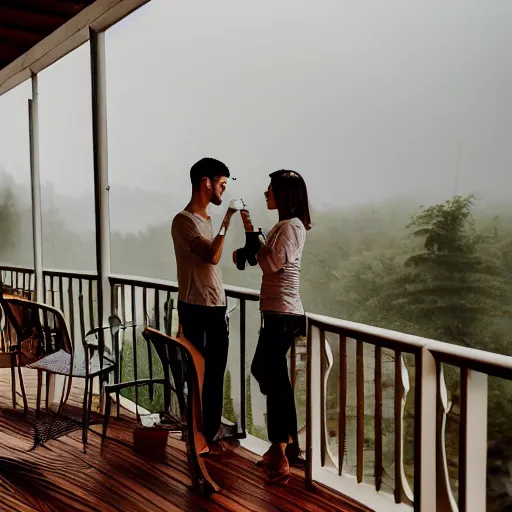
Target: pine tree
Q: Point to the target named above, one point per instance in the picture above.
(450, 285)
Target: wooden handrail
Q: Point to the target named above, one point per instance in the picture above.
(479, 360)
(236, 292)
(71, 274)
(11, 268)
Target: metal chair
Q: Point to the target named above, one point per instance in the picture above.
(57, 353)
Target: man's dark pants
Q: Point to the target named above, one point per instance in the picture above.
(206, 327)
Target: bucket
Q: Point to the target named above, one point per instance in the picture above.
(150, 441)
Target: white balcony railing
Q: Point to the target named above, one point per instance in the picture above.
(376, 401)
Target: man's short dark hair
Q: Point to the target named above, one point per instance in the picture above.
(207, 168)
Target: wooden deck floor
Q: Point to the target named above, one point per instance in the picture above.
(112, 477)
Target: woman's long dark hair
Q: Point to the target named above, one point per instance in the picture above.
(291, 196)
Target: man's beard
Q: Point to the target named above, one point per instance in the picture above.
(216, 200)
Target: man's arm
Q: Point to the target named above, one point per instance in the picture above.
(211, 252)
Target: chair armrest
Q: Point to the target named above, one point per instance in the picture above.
(123, 327)
(94, 332)
(112, 388)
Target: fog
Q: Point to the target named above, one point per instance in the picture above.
(369, 102)
(375, 105)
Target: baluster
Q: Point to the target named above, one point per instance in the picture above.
(403, 493)
(52, 290)
(157, 310)
(61, 296)
(147, 321)
(378, 417)
(327, 359)
(293, 364)
(91, 304)
(134, 343)
(81, 312)
(342, 417)
(168, 314)
(444, 494)
(123, 303)
(463, 440)
(145, 316)
(323, 408)
(123, 313)
(243, 419)
(49, 347)
(71, 307)
(360, 410)
(473, 441)
(114, 301)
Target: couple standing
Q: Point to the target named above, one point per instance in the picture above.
(202, 301)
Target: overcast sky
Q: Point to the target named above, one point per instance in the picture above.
(368, 100)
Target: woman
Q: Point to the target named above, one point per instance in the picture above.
(282, 312)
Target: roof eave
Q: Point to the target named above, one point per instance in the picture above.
(98, 16)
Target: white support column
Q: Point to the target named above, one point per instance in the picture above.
(56, 382)
(101, 187)
(35, 180)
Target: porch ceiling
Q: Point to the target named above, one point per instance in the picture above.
(36, 33)
(23, 23)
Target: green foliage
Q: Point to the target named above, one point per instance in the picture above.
(229, 410)
(15, 226)
(8, 217)
(248, 405)
(451, 285)
(255, 430)
(259, 432)
(141, 396)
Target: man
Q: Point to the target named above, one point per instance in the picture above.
(201, 297)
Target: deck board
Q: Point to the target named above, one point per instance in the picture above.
(112, 477)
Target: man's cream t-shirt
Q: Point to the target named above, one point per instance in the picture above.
(199, 282)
